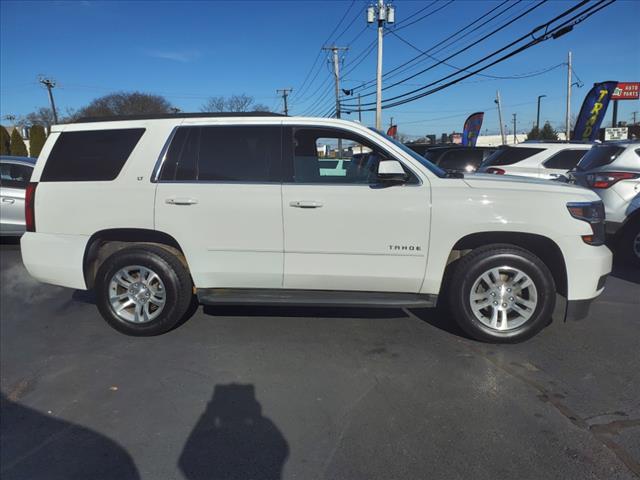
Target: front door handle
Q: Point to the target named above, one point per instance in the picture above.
(181, 201)
(8, 200)
(305, 204)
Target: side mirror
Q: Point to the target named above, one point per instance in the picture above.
(391, 171)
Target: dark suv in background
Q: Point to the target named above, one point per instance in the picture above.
(454, 158)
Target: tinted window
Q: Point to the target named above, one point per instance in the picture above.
(315, 150)
(510, 155)
(565, 160)
(463, 160)
(226, 153)
(14, 175)
(599, 155)
(90, 155)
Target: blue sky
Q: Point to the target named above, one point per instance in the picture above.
(188, 51)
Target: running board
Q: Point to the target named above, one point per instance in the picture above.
(262, 296)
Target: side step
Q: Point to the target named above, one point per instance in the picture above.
(261, 296)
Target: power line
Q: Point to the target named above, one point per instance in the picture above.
(395, 71)
(400, 25)
(465, 48)
(548, 33)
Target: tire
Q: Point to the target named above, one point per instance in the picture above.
(628, 247)
(532, 295)
(160, 298)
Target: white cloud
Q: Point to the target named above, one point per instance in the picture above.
(183, 56)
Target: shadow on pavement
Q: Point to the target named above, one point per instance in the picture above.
(293, 311)
(33, 445)
(233, 441)
(10, 241)
(440, 318)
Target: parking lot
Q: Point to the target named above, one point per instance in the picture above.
(310, 393)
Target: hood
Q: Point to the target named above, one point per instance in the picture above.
(515, 182)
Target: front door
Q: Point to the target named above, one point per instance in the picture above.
(343, 230)
(219, 196)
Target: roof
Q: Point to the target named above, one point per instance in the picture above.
(11, 158)
(157, 116)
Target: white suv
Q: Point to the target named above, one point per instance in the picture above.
(535, 159)
(238, 209)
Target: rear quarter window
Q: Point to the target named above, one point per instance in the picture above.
(93, 155)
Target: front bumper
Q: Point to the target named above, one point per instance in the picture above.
(579, 309)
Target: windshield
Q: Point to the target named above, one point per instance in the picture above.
(598, 156)
(423, 161)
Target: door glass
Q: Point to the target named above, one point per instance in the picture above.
(565, 160)
(13, 175)
(333, 156)
(226, 154)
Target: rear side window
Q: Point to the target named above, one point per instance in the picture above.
(225, 154)
(510, 155)
(14, 175)
(599, 156)
(463, 160)
(565, 160)
(95, 155)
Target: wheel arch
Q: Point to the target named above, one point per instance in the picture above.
(543, 247)
(105, 242)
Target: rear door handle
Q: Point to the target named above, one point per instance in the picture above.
(8, 200)
(181, 201)
(305, 204)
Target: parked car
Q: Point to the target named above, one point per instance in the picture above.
(236, 209)
(535, 159)
(15, 173)
(612, 170)
(456, 158)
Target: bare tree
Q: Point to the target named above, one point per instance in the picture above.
(239, 103)
(214, 104)
(234, 103)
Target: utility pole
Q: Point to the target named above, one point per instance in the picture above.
(568, 118)
(515, 139)
(381, 13)
(50, 84)
(360, 111)
(285, 93)
(336, 73)
(538, 115)
(497, 100)
(614, 120)
(634, 117)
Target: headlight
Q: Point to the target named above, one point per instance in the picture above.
(592, 213)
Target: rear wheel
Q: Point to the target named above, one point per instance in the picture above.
(143, 291)
(501, 294)
(629, 244)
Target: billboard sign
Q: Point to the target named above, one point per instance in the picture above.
(626, 91)
(618, 133)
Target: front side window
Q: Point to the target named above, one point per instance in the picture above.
(15, 175)
(92, 155)
(325, 155)
(510, 155)
(224, 154)
(565, 160)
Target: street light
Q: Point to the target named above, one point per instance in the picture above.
(538, 116)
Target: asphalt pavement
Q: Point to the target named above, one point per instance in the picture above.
(313, 393)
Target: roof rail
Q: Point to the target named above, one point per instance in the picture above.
(158, 116)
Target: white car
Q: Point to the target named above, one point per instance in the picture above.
(535, 159)
(15, 173)
(236, 209)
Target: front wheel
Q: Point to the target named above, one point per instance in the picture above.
(501, 294)
(628, 247)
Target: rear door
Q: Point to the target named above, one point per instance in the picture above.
(350, 232)
(219, 196)
(14, 178)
